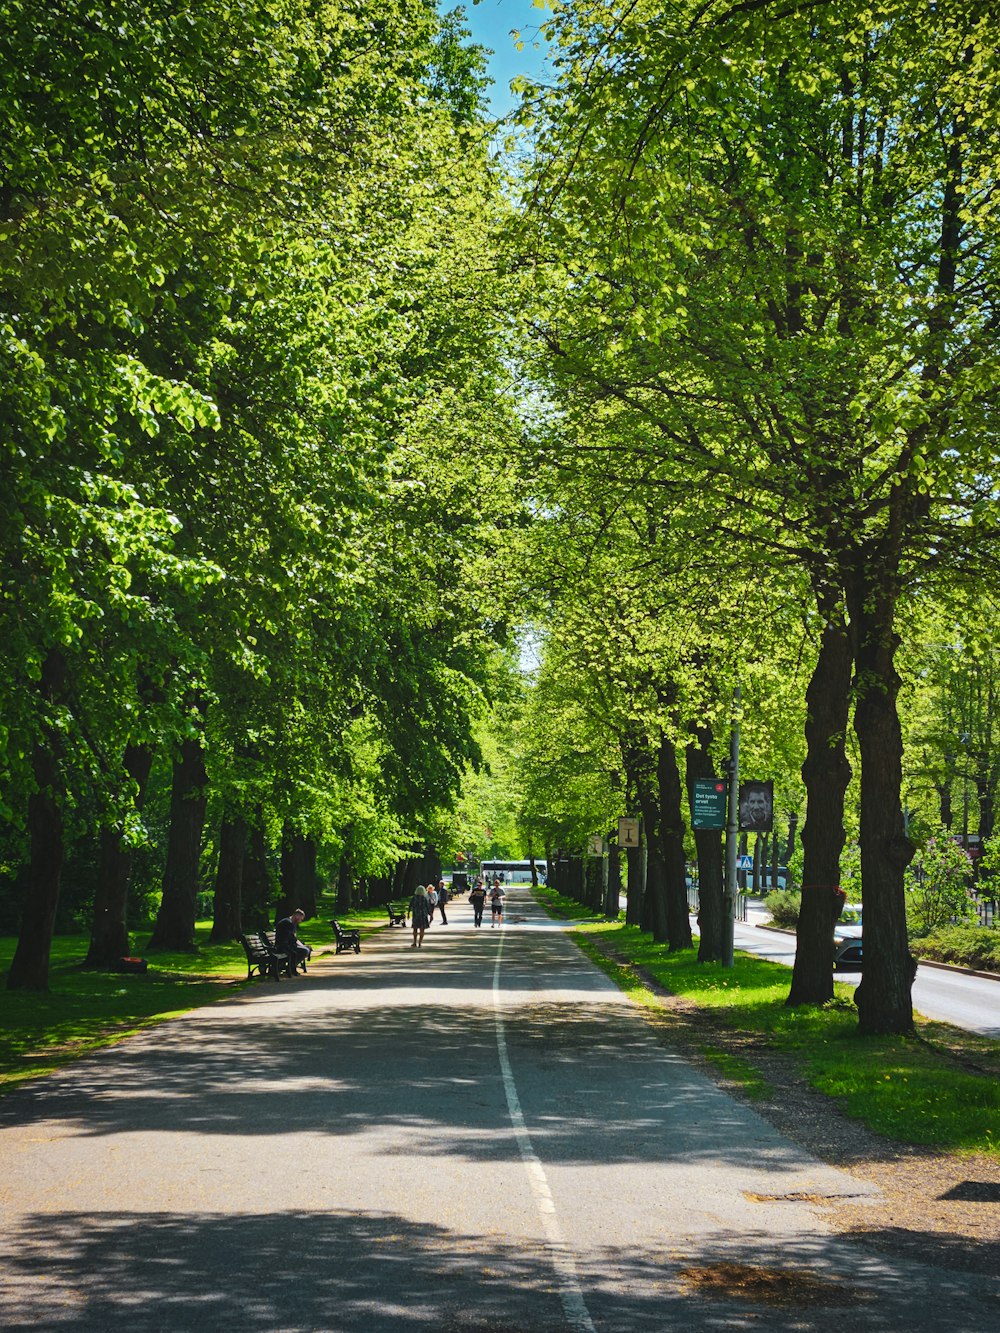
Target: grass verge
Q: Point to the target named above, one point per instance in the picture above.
(84, 1011)
(939, 1089)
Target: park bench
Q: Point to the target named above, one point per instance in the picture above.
(261, 956)
(292, 963)
(346, 939)
(397, 915)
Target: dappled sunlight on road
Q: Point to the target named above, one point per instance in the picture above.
(379, 1271)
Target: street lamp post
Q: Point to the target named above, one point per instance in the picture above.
(732, 835)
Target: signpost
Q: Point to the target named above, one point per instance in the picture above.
(744, 862)
(595, 847)
(708, 803)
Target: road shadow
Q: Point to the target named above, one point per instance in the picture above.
(291, 1270)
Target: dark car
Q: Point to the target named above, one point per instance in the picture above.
(848, 955)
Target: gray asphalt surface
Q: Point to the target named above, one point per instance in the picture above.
(478, 1135)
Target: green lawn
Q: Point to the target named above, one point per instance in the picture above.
(83, 1011)
(940, 1088)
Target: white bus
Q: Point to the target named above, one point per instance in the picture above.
(513, 872)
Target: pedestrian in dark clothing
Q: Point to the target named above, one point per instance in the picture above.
(286, 939)
(478, 900)
(496, 906)
(444, 898)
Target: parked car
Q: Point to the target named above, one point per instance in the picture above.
(848, 956)
(848, 925)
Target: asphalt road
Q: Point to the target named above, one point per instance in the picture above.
(964, 1000)
(478, 1135)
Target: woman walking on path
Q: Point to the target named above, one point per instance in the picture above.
(432, 900)
(496, 905)
(420, 915)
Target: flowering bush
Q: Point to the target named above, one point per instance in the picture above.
(937, 885)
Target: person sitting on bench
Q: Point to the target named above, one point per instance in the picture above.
(286, 938)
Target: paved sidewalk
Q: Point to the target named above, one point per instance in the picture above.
(479, 1135)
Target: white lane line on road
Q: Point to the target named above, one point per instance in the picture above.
(570, 1293)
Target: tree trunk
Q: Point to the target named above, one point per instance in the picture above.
(298, 873)
(672, 829)
(985, 802)
(612, 898)
(579, 880)
(708, 846)
(109, 928)
(636, 890)
(345, 885)
(654, 900)
(175, 920)
(884, 995)
(40, 880)
(227, 916)
(944, 802)
(826, 773)
(257, 889)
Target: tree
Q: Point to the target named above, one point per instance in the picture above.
(779, 229)
(236, 281)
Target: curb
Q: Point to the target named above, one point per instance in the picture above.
(953, 967)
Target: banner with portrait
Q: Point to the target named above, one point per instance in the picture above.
(756, 807)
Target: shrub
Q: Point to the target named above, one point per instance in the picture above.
(784, 908)
(965, 945)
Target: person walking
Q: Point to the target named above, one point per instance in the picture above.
(478, 900)
(444, 898)
(496, 906)
(432, 900)
(420, 915)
